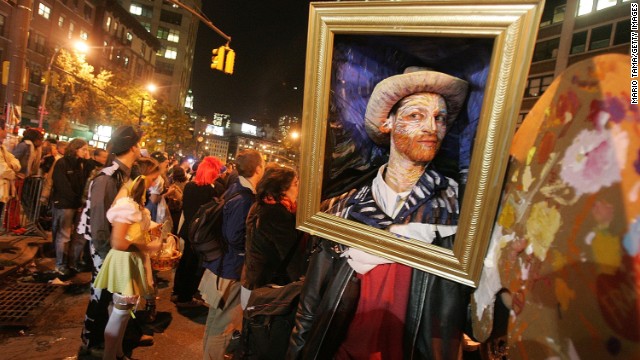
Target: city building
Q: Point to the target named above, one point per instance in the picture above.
(122, 45)
(571, 31)
(210, 135)
(176, 29)
(54, 25)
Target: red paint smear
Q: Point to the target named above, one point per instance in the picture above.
(546, 147)
(577, 224)
(593, 332)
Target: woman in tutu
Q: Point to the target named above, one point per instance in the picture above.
(126, 271)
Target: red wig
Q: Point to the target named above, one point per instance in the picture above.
(208, 170)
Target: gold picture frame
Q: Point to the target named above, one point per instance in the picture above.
(506, 29)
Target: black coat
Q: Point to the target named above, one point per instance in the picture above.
(69, 178)
(435, 319)
(272, 248)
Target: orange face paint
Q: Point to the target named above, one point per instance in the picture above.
(420, 125)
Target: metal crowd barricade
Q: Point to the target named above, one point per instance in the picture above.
(30, 201)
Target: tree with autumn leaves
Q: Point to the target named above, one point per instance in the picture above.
(167, 129)
(77, 94)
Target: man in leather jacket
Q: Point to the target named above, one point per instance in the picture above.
(357, 305)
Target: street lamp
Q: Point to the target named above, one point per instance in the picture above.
(78, 46)
(150, 88)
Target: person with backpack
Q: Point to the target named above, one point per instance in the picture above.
(220, 285)
(196, 193)
(272, 238)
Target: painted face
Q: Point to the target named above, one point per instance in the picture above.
(419, 126)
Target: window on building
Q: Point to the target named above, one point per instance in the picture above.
(107, 23)
(579, 42)
(61, 21)
(135, 9)
(141, 10)
(170, 17)
(546, 50)
(164, 68)
(143, 49)
(31, 99)
(138, 70)
(623, 33)
(37, 43)
(146, 25)
(588, 6)
(163, 32)
(71, 29)
(84, 35)
(603, 4)
(600, 37)
(174, 35)
(35, 75)
(3, 21)
(536, 86)
(88, 12)
(129, 37)
(585, 7)
(171, 52)
(125, 62)
(44, 10)
(558, 13)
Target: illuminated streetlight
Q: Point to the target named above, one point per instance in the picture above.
(295, 135)
(80, 47)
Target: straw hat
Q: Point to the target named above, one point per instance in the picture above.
(414, 80)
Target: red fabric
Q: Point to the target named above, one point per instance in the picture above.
(12, 214)
(290, 205)
(377, 328)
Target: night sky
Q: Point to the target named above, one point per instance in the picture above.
(269, 38)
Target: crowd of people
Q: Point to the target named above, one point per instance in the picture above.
(111, 211)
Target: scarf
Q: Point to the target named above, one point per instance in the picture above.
(291, 206)
(433, 200)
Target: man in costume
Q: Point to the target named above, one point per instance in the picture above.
(95, 227)
(357, 305)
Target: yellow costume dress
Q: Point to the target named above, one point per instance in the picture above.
(128, 272)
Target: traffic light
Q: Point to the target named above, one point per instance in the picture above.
(231, 58)
(5, 72)
(217, 61)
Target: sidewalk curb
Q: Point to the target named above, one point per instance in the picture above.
(16, 251)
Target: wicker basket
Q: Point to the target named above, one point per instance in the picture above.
(168, 256)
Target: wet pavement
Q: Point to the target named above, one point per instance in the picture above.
(51, 329)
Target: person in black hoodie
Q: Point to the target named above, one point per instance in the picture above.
(69, 178)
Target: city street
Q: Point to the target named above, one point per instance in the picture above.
(55, 332)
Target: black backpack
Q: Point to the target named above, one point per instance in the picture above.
(267, 323)
(205, 230)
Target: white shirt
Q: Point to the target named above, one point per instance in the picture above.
(390, 202)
